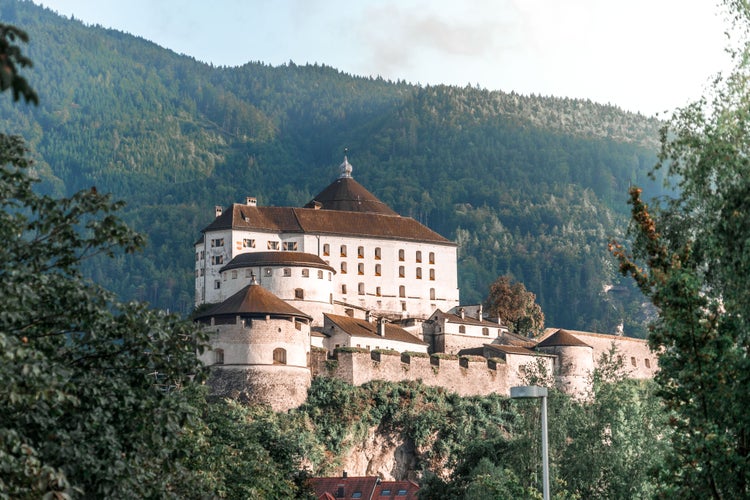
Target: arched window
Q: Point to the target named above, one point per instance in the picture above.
(432, 275)
(343, 250)
(279, 356)
(432, 294)
(419, 256)
(320, 274)
(432, 257)
(402, 291)
(401, 271)
(219, 356)
(419, 273)
(305, 273)
(401, 255)
(326, 249)
(377, 253)
(485, 331)
(377, 269)
(299, 293)
(361, 289)
(343, 268)
(360, 268)
(361, 252)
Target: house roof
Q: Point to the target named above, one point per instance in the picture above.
(363, 328)
(312, 221)
(562, 338)
(511, 349)
(466, 320)
(255, 259)
(368, 488)
(348, 195)
(253, 300)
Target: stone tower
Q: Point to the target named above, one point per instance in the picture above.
(574, 363)
(259, 349)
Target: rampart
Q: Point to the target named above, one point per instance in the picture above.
(466, 375)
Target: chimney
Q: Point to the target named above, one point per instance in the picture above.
(479, 312)
(317, 205)
(368, 316)
(251, 201)
(462, 313)
(381, 326)
(344, 474)
(218, 209)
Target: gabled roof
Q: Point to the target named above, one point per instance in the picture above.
(362, 328)
(312, 221)
(255, 259)
(369, 487)
(253, 300)
(466, 320)
(562, 338)
(511, 349)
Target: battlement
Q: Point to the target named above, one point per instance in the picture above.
(464, 375)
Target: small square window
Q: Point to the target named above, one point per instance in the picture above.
(248, 243)
(273, 245)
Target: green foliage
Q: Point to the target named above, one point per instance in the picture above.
(527, 185)
(516, 306)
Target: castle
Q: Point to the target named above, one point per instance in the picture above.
(346, 287)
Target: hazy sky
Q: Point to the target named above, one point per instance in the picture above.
(641, 55)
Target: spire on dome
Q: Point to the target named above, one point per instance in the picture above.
(346, 167)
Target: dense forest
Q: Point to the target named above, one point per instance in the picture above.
(530, 186)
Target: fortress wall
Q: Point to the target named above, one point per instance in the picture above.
(452, 343)
(632, 351)
(465, 376)
(281, 387)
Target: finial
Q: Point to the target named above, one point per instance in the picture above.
(346, 167)
(252, 278)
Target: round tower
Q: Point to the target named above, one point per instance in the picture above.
(574, 361)
(259, 349)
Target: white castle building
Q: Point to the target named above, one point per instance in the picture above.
(345, 252)
(290, 293)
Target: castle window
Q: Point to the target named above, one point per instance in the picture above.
(273, 245)
(403, 305)
(287, 271)
(196, 256)
(360, 268)
(326, 249)
(299, 293)
(401, 255)
(297, 325)
(234, 275)
(361, 289)
(203, 271)
(248, 273)
(402, 291)
(343, 289)
(219, 356)
(377, 253)
(377, 291)
(360, 252)
(343, 250)
(290, 246)
(432, 275)
(305, 273)
(217, 285)
(648, 363)
(486, 331)
(248, 243)
(461, 329)
(320, 274)
(343, 268)
(401, 271)
(279, 356)
(432, 294)
(419, 273)
(329, 275)
(432, 257)
(419, 256)
(268, 271)
(633, 361)
(218, 242)
(203, 254)
(377, 269)
(217, 259)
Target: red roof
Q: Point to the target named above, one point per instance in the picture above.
(255, 259)
(363, 487)
(562, 338)
(253, 300)
(363, 328)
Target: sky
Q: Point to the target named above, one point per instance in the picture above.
(646, 56)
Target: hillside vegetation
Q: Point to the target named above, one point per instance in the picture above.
(527, 185)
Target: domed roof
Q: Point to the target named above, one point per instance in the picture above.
(562, 338)
(348, 195)
(275, 258)
(253, 300)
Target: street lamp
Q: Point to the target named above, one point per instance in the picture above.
(533, 391)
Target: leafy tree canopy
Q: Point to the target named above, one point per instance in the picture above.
(516, 306)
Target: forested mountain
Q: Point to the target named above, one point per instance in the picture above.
(528, 185)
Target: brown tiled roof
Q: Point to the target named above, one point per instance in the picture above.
(311, 221)
(348, 195)
(562, 338)
(469, 320)
(362, 328)
(369, 487)
(252, 259)
(511, 349)
(253, 300)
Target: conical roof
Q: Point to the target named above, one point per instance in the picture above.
(346, 194)
(562, 338)
(253, 300)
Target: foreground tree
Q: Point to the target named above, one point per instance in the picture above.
(91, 401)
(516, 306)
(691, 257)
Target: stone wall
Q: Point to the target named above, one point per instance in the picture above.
(466, 376)
(281, 387)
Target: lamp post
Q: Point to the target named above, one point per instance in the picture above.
(533, 391)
